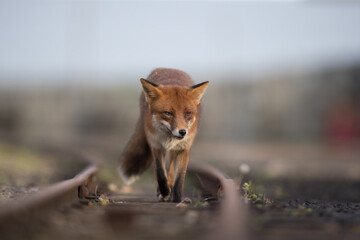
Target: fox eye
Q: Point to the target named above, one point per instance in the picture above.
(188, 114)
(170, 114)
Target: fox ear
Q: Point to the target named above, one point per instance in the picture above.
(198, 90)
(151, 90)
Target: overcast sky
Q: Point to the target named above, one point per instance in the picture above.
(65, 39)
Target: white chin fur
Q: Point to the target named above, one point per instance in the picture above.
(175, 132)
(126, 180)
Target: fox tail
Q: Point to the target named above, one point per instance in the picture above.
(136, 157)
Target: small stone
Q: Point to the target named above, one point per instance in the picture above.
(181, 205)
(184, 203)
(112, 187)
(244, 168)
(126, 189)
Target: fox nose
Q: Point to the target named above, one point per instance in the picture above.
(182, 132)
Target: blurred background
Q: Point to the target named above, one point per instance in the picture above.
(281, 113)
(281, 74)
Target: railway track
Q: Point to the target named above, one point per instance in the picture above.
(228, 220)
(232, 219)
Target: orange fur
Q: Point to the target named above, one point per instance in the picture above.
(170, 112)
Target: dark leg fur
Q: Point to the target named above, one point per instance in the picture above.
(183, 159)
(178, 189)
(162, 183)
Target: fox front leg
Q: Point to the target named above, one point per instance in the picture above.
(171, 169)
(182, 159)
(163, 189)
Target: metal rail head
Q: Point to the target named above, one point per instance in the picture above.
(232, 220)
(50, 197)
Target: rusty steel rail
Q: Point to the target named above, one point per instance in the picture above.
(57, 194)
(229, 222)
(232, 220)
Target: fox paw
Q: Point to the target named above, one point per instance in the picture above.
(164, 199)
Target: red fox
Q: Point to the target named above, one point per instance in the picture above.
(170, 111)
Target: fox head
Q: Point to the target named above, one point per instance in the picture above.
(173, 108)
